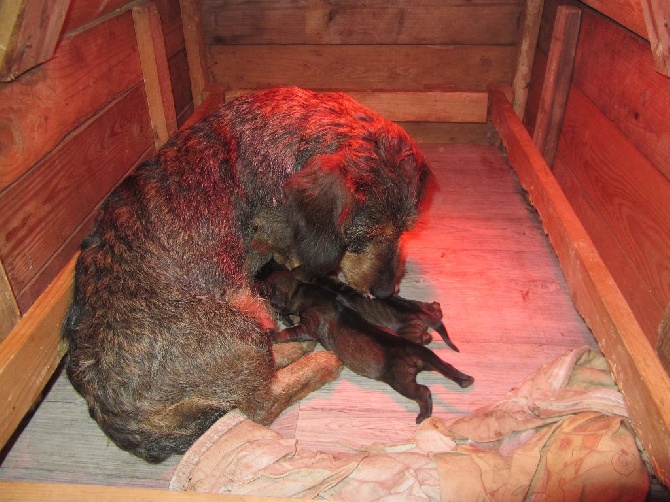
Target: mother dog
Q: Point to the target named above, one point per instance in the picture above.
(166, 333)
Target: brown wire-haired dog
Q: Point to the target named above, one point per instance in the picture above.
(166, 333)
(367, 349)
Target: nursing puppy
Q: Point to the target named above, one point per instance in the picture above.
(166, 332)
(410, 319)
(367, 349)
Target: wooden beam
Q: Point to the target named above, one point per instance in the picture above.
(54, 492)
(657, 18)
(462, 107)
(530, 30)
(627, 13)
(196, 53)
(32, 351)
(663, 344)
(155, 70)
(9, 309)
(557, 81)
(636, 369)
(29, 31)
(344, 66)
(418, 106)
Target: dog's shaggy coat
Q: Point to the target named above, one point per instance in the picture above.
(166, 332)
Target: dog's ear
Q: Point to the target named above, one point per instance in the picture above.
(319, 203)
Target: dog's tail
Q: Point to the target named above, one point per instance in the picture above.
(431, 362)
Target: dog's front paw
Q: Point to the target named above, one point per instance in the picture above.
(289, 352)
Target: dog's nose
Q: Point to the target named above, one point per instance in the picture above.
(384, 290)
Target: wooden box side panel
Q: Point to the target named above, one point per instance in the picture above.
(68, 115)
(71, 129)
(396, 45)
(381, 46)
(635, 367)
(613, 158)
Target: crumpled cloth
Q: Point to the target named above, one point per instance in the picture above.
(563, 434)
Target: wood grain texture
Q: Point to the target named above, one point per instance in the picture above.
(171, 21)
(635, 367)
(441, 132)
(625, 12)
(9, 309)
(191, 15)
(418, 106)
(535, 90)
(31, 353)
(479, 250)
(657, 18)
(352, 22)
(614, 69)
(530, 30)
(181, 86)
(53, 492)
(663, 345)
(631, 196)
(406, 67)
(642, 302)
(556, 83)
(39, 213)
(155, 71)
(29, 32)
(89, 70)
(83, 14)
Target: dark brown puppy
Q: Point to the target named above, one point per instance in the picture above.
(165, 332)
(410, 319)
(365, 348)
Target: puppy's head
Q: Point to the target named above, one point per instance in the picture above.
(349, 208)
(278, 288)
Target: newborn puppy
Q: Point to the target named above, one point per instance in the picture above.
(408, 318)
(368, 350)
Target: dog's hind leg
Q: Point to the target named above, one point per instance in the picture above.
(426, 359)
(295, 381)
(403, 381)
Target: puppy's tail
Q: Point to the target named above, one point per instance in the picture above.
(431, 362)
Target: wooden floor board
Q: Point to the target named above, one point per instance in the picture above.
(479, 250)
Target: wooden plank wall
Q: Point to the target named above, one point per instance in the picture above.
(613, 158)
(60, 121)
(70, 129)
(376, 45)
